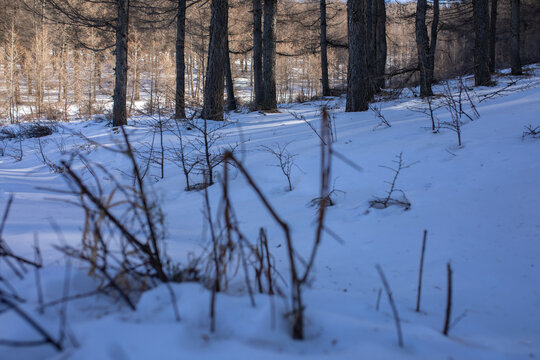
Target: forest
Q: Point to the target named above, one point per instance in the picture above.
(218, 179)
(59, 57)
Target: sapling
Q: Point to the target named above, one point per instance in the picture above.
(531, 131)
(455, 106)
(328, 199)
(377, 111)
(429, 110)
(204, 144)
(285, 159)
(390, 199)
(182, 156)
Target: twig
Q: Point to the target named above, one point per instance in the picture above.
(448, 300)
(379, 293)
(37, 274)
(418, 294)
(392, 304)
(63, 309)
(173, 301)
(46, 336)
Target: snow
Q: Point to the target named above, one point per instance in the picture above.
(479, 203)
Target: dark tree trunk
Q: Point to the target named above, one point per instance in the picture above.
(481, 52)
(257, 54)
(433, 42)
(121, 69)
(426, 47)
(515, 57)
(380, 41)
(217, 61)
(370, 46)
(492, 35)
(180, 112)
(324, 52)
(422, 46)
(231, 101)
(357, 75)
(269, 55)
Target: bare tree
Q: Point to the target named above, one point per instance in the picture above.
(269, 55)
(324, 51)
(76, 14)
(121, 51)
(390, 199)
(231, 101)
(481, 56)
(358, 93)
(257, 54)
(515, 46)
(380, 43)
(180, 111)
(492, 35)
(215, 71)
(426, 47)
(285, 159)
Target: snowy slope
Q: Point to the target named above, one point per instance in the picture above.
(479, 203)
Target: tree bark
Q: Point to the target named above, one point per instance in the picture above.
(231, 101)
(492, 35)
(269, 55)
(433, 41)
(370, 46)
(515, 57)
(180, 111)
(426, 47)
(324, 52)
(422, 47)
(120, 84)
(257, 54)
(482, 76)
(357, 75)
(217, 60)
(380, 42)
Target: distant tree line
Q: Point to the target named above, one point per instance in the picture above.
(60, 57)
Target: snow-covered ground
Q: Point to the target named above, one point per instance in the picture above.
(479, 203)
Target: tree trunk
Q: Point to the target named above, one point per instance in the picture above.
(357, 76)
(231, 101)
(179, 108)
(120, 84)
(515, 57)
(62, 67)
(257, 54)
(433, 42)
(217, 59)
(269, 55)
(77, 78)
(422, 46)
(481, 59)
(380, 42)
(426, 47)
(370, 46)
(324, 52)
(492, 35)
